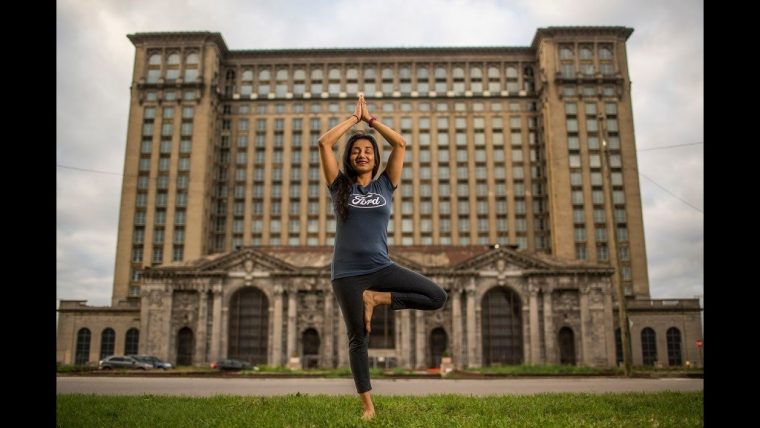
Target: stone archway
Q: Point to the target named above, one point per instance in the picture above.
(248, 331)
(501, 324)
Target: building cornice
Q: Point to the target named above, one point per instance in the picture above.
(180, 36)
(161, 38)
(551, 32)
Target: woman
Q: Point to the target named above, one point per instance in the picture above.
(363, 275)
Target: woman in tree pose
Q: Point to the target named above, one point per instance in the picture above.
(363, 275)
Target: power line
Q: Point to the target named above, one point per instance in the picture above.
(668, 147)
(670, 193)
(88, 170)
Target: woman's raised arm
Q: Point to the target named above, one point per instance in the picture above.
(327, 141)
(397, 142)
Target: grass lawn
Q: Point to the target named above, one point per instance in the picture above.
(663, 409)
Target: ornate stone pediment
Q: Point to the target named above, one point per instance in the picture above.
(503, 260)
(248, 261)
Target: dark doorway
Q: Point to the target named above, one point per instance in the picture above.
(566, 346)
(185, 346)
(439, 341)
(310, 341)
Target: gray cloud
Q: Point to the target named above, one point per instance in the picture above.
(94, 71)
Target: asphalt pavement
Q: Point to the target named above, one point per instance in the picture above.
(269, 387)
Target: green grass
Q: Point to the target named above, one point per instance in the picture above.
(663, 409)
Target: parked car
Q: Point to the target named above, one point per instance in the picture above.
(151, 359)
(123, 362)
(230, 364)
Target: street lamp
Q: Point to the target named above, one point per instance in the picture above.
(625, 333)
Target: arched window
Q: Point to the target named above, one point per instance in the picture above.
(248, 326)
(423, 86)
(369, 81)
(132, 342)
(191, 67)
(264, 82)
(154, 68)
(501, 327)
(457, 75)
(172, 67)
(494, 79)
(476, 79)
(317, 77)
(107, 341)
(82, 355)
(246, 83)
(387, 80)
(648, 346)
(674, 346)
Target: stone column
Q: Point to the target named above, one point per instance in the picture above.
(420, 348)
(216, 324)
(292, 349)
(405, 360)
(201, 353)
(549, 335)
(472, 343)
(609, 322)
(585, 327)
(456, 328)
(328, 336)
(277, 327)
(535, 340)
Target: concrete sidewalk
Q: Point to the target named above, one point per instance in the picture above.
(266, 387)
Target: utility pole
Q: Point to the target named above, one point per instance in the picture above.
(625, 333)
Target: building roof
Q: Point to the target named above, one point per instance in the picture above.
(216, 37)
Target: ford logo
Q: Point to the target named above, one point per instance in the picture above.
(370, 200)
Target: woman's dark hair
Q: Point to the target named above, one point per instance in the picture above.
(345, 181)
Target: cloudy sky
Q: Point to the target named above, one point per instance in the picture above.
(94, 73)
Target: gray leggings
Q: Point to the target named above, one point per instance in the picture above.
(409, 290)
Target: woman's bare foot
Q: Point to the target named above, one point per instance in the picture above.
(368, 405)
(368, 415)
(372, 299)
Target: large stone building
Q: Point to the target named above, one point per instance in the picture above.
(519, 196)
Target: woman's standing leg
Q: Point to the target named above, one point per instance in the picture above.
(348, 292)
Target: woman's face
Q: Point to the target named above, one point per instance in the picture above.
(362, 157)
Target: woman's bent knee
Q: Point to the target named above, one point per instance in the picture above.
(441, 298)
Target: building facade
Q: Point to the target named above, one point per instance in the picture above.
(519, 195)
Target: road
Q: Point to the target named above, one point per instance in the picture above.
(266, 387)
